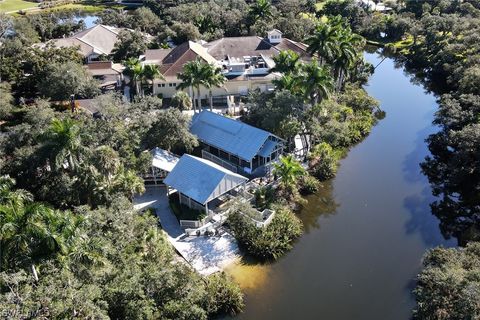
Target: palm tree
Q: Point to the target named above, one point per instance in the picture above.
(31, 231)
(212, 77)
(323, 42)
(286, 62)
(316, 82)
(134, 70)
(288, 82)
(129, 183)
(192, 77)
(261, 10)
(151, 72)
(63, 140)
(288, 170)
(347, 54)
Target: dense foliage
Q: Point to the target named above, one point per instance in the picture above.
(105, 263)
(71, 245)
(269, 242)
(77, 160)
(449, 285)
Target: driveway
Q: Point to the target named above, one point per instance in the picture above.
(207, 255)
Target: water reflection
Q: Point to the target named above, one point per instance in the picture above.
(420, 220)
(411, 164)
(320, 204)
(366, 230)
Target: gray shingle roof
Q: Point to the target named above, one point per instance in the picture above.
(235, 137)
(202, 180)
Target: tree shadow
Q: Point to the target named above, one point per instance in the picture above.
(322, 203)
(421, 219)
(411, 163)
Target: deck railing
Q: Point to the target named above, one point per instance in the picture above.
(207, 155)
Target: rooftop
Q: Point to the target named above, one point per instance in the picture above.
(163, 159)
(232, 136)
(202, 180)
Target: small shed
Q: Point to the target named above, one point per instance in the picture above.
(199, 181)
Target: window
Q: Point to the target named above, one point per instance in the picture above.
(161, 85)
(172, 84)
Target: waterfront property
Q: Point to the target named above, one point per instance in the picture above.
(235, 145)
(246, 62)
(200, 184)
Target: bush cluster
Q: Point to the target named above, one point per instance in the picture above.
(267, 243)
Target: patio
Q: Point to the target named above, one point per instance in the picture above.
(206, 254)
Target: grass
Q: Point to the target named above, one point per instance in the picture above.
(15, 5)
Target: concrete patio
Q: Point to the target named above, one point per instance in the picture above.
(206, 254)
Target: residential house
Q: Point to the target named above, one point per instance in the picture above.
(235, 145)
(246, 62)
(199, 182)
(109, 74)
(92, 42)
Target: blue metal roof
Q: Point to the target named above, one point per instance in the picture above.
(234, 137)
(268, 148)
(201, 179)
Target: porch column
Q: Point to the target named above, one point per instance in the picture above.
(154, 175)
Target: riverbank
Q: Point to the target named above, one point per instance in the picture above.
(365, 230)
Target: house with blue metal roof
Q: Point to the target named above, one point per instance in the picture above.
(199, 181)
(235, 145)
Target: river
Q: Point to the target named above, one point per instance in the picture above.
(367, 229)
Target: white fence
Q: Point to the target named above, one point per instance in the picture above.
(267, 216)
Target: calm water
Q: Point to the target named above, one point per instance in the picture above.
(89, 19)
(367, 230)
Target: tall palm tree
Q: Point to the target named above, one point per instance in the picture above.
(288, 82)
(151, 72)
(347, 53)
(323, 42)
(316, 82)
(192, 78)
(64, 143)
(134, 70)
(212, 77)
(286, 62)
(289, 170)
(261, 10)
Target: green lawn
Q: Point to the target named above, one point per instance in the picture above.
(15, 5)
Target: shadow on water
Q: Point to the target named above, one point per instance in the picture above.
(322, 203)
(411, 164)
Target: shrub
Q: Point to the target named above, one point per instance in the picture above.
(223, 295)
(323, 165)
(309, 185)
(270, 242)
(264, 197)
(181, 101)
